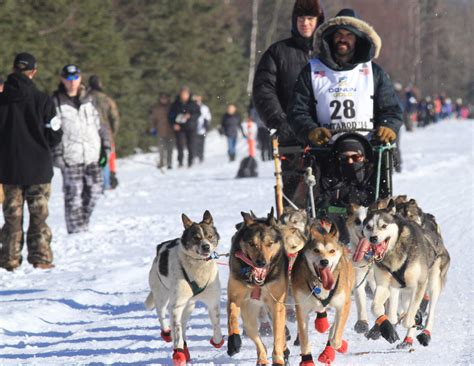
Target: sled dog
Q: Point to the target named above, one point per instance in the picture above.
(322, 276)
(405, 259)
(183, 273)
(258, 275)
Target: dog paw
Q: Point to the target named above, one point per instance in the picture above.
(233, 344)
(361, 326)
(424, 337)
(407, 343)
(387, 330)
(307, 360)
(179, 358)
(217, 345)
(297, 341)
(344, 347)
(374, 333)
(321, 322)
(327, 356)
(166, 335)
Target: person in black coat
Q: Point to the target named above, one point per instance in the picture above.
(28, 131)
(183, 116)
(230, 126)
(275, 78)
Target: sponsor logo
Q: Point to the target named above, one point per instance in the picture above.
(342, 90)
(342, 81)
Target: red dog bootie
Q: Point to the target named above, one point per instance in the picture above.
(344, 347)
(166, 335)
(179, 357)
(321, 322)
(217, 345)
(307, 360)
(328, 355)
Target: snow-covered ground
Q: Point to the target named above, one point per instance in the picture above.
(89, 309)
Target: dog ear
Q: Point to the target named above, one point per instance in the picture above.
(391, 207)
(187, 222)
(413, 202)
(271, 218)
(253, 214)
(401, 199)
(207, 218)
(334, 232)
(248, 219)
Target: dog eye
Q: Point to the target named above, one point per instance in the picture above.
(369, 227)
(357, 221)
(384, 226)
(316, 250)
(197, 237)
(332, 251)
(209, 236)
(251, 244)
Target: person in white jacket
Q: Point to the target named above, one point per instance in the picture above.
(83, 150)
(203, 126)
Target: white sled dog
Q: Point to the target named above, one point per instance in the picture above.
(405, 259)
(182, 273)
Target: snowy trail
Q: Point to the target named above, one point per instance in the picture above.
(89, 309)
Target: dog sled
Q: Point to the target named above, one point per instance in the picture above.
(318, 163)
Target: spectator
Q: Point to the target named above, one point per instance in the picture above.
(274, 82)
(85, 143)
(203, 125)
(183, 116)
(263, 135)
(110, 117)
(458, 108)
(230, 126)
(161, 128)
(28, 131)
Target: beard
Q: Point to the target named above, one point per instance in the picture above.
(343, 52)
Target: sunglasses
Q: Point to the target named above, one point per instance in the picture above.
(72, 77)
(356, 158)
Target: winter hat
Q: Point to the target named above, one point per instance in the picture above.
(307, 8)
(353, 141)
(351, 144)
(24, 61)
(70, 72)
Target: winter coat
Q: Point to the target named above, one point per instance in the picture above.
(387, 108)
(84, 134)
(230, 124)
(275, 78)
(159, 120)
(108, 110)
(179, 108)
(26, 133)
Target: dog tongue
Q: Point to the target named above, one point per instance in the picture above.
(326, 277)
(362, 248)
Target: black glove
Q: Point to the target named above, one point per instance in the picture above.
(284, 132)
(104, 156)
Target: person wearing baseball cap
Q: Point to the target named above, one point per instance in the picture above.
(78, 155)
(29, 129)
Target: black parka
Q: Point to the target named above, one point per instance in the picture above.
(178, 107)
(26, 136)
(302, 107)
(275, 78)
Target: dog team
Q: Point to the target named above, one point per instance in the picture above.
(395, 248)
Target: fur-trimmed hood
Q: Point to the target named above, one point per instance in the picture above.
(368, 44)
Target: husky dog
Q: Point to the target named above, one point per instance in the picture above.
(322, 276)
(404, 258)
(258, 276)
(182, 273)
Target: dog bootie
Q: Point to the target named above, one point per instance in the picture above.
(386, 329)
(344, 347)
(166, 335)
(321, 322)
(424, 337)
(217, 345)
(186, 352)
(233, 344)
(328, 355)
(307, 360)
(179, 358)
(407, 343)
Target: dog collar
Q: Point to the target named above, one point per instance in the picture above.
(315, 290)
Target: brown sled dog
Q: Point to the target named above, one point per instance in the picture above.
(322, 277)
(258, 276)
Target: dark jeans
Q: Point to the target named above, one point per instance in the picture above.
(231, 147)
(200, 140)
(185, 138)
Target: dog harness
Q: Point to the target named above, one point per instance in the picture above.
(399, 274)
(194, 286)
(315, 290)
